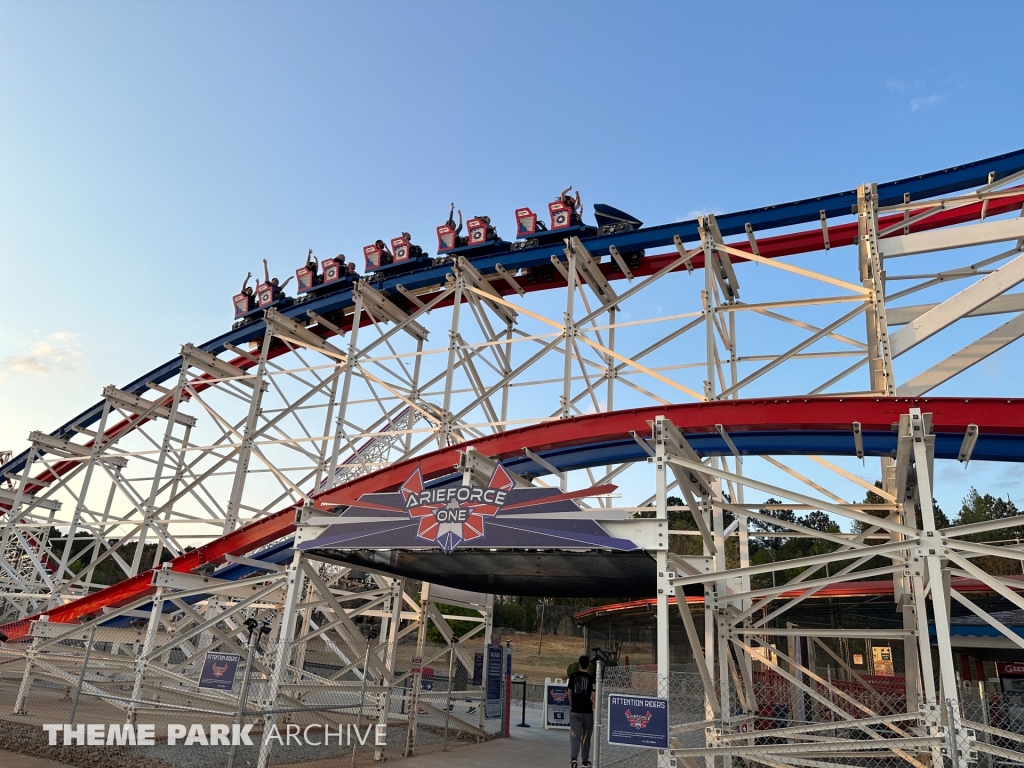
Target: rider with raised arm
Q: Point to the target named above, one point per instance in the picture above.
(276, 286)
(249, 297)
(574, 204)
(313, 265)
(456, 229)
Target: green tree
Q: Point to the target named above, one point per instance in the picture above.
(682, 520)
(785, 544)
(941, 519)
(978, 508)
(458, 627)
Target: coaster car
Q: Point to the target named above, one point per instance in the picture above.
(334, 275)
(404, 257)
(531, 232)
(249, 307)
(481, 239)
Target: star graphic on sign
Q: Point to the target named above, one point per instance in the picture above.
(448, 531)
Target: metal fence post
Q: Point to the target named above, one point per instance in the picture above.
(952, 732)
(598, 711)
(983, 699)
(448, 710)
(362, 698)
(243, 694)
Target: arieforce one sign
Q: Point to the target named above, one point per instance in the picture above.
(452, 515)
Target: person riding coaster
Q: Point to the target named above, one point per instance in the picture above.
(312, 264)
(276, 285)
(414, 250)
(459, 241)
(492, 233)
(250, 297)
(573, 203)
(385, 254)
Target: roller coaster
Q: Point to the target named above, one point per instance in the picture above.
(227, 466)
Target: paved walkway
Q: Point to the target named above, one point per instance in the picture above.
(14, 760)
(533, 747)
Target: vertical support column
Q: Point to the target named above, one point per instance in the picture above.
(390, 637)
(506, 371)
(569, 332)
(873, 277)
(26, 678)
(248, 434)
(414, 394)
(720, 614)
(11, 530)
(663, 650)
(80, 508)
(445, 433)
(147, 646)
(708, 303)
(932, 550)
(414, 694)
(322, 460)
(346, 387)
(165, 448)
(282, 653)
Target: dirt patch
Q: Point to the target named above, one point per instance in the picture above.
(556, 653)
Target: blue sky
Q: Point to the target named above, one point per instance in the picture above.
(152, 153)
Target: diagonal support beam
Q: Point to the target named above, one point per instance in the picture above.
(958, 306)
(952, 237)
(960, 361)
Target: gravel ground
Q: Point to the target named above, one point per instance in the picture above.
(32, 740)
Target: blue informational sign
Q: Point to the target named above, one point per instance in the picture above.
(219, 671)
(492, 698)
(638, 721)
(556, 705)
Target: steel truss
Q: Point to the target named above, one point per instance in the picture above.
(323, 400)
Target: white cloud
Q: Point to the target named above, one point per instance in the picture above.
(57, 351)
(895, 85)
(925, 102)
(693, 213)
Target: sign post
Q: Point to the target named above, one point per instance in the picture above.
(508, 687)
(598, 697)
(638, 721)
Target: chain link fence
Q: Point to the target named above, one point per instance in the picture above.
(324, 706)
(993, 718)
(817, 719)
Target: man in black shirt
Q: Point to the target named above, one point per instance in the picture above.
(581, 712)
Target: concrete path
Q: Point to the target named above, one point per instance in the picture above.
(15, 760)
(533, 746)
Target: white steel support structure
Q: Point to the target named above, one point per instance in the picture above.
(245, 432)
